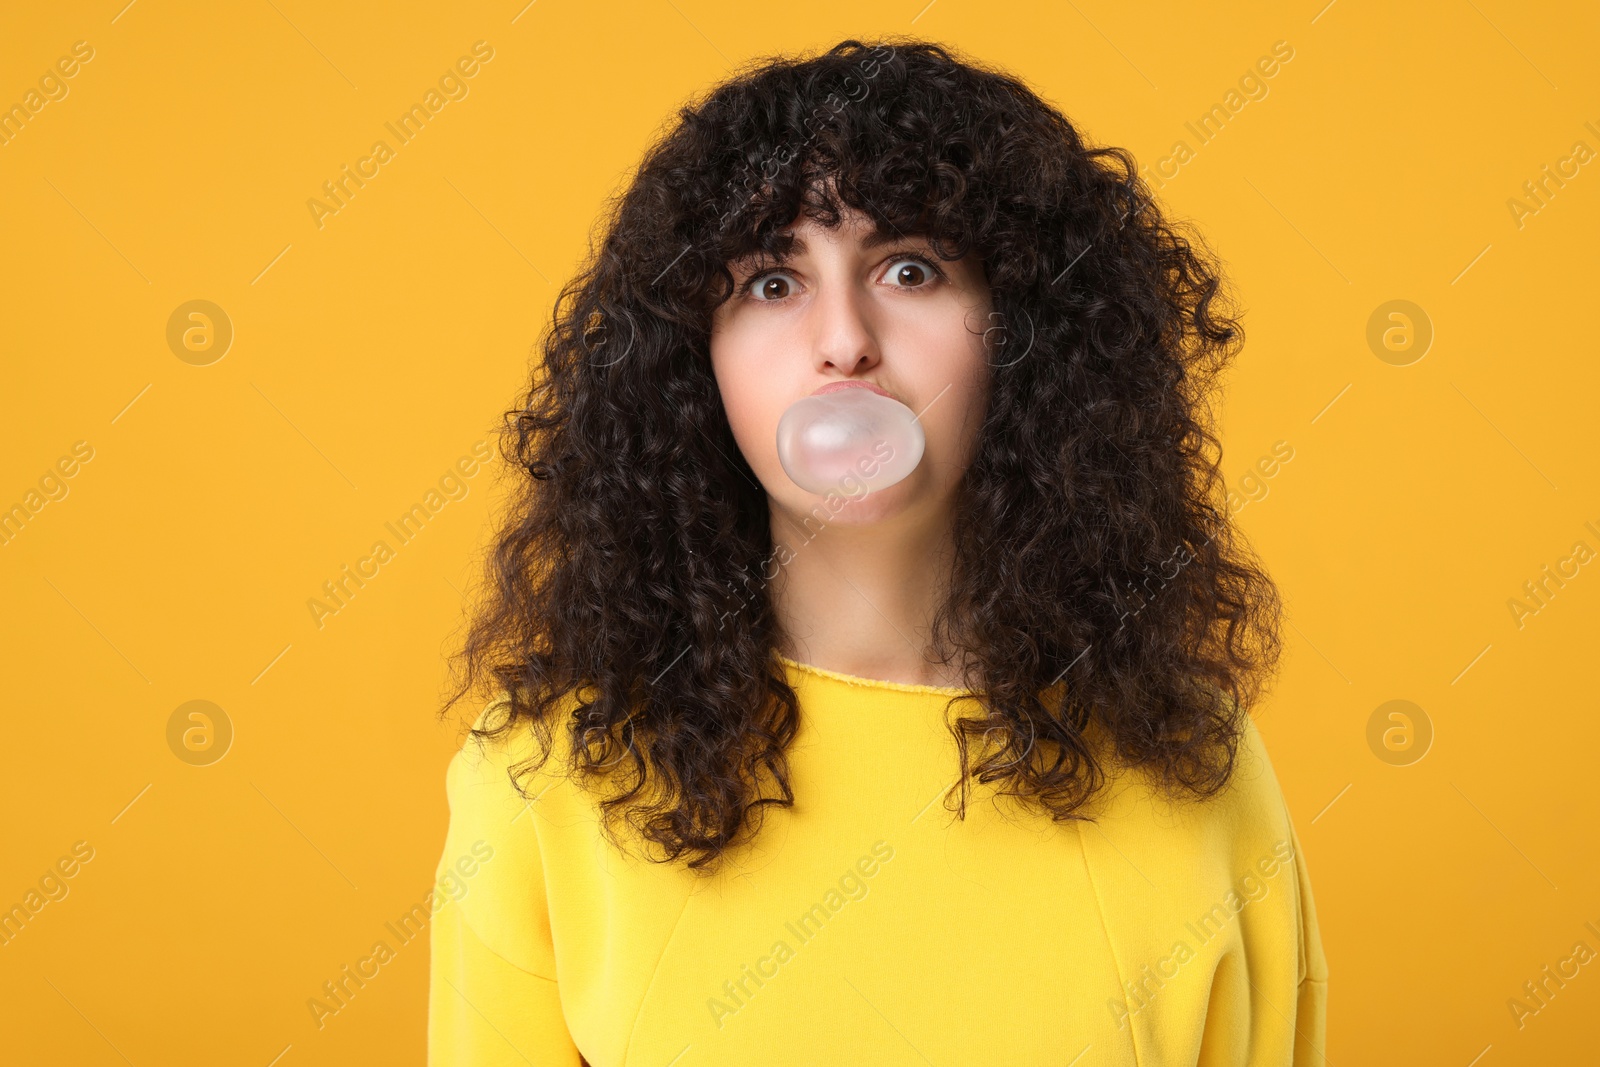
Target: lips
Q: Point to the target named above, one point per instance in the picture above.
(834, 387)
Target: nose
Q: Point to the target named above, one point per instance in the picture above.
(845, 337)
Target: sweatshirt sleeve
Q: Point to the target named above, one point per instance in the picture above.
(493, 997)
(1311, 1001)
(1268, 997)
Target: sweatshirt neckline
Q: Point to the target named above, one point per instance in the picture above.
(873, 683)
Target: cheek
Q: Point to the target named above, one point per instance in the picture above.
(953, 436)
(960, 370)
(747, 398)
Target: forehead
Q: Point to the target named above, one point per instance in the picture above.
(801, 236)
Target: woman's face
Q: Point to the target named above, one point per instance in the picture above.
(845, 306)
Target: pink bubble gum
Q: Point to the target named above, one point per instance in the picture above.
(850, 441)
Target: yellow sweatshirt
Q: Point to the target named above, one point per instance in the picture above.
(870, 925)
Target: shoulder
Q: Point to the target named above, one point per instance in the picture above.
(495, 815)
(1233, 852)
(1251, 807)
(1269, 861)
(1215, 887)
(1245, 825)
(500, 772)
(1248, 809)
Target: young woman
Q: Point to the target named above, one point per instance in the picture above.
(958, 769)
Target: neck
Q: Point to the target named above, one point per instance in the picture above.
(860, 598)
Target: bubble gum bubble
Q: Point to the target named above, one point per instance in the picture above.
(847, 439)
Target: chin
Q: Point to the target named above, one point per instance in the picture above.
(859, 510)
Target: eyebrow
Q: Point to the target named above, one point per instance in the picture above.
(797, 247)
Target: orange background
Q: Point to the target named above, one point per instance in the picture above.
(372, 353)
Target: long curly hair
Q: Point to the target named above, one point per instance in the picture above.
(626, 600)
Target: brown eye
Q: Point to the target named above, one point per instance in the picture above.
(775, 287)
(766, 286)
(911, 272)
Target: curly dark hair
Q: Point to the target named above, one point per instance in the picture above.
(1094, 555)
